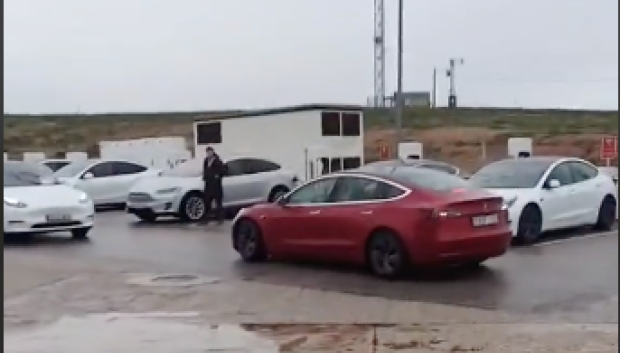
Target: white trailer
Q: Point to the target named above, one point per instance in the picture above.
(311, 140)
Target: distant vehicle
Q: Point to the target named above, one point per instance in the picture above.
(35, 203)
(418, 163)
(549, 193)
(178, 192)
(387, 219)
(106, 181)
(55, 164)
(611, 171)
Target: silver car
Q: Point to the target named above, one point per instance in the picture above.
(418, 163)
(178, 192)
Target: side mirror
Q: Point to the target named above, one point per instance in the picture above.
(553, 184)
(88, 175)
(281, 201)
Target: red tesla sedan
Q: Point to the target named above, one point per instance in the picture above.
(387, 218)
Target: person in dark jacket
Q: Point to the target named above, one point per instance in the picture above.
(213, 170)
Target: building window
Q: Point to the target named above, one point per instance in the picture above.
(351, 163)
(208, 133)
(330, 123)
(351, 124)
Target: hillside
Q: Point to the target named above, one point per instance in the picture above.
(451, 135)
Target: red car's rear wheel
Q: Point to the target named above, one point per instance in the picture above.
(386, 255)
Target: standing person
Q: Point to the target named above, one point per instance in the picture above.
(213, 170)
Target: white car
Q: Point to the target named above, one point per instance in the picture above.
(178, 192)
(34, 203)
(611, 171)
(107, 182)
(551, 193)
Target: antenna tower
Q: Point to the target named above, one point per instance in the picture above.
(379, 54)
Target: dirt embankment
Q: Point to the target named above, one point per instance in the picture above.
(465, 137)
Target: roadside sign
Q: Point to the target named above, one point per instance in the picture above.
(609, 148)
(384, 152)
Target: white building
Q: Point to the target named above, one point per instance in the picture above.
(309, 139)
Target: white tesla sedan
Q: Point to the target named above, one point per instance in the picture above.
(35, 203)
(107, 182)
(550, 193)
(179, 192)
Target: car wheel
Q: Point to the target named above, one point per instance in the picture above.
(277, 193)
(606, 215)
(192, 208)
(386, 255)
(80, 233)
(248, 241)
(530, 225)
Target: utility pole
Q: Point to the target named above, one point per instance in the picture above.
(379, 54)
(399, 82)
(434, 89)
(452, 100)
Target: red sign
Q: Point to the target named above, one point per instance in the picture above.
(384, 152)
(609, 147)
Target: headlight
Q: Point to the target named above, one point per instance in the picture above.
(9, 201)
(83, 198)
(168, 191)
(509, 203)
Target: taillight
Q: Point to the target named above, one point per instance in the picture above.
(446, 214)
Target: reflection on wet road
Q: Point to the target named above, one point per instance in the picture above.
(570, 277)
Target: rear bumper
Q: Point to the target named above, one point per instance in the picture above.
(492, 244)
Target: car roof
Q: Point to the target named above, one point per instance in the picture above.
(409, 162)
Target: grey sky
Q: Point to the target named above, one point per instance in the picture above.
(153, 55)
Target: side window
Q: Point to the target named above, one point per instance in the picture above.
(125, 168)
(208, 132)
(351, 124)
(362, 189)
(102, 170)
(330, 123)
(440, 167)
(561, 173)
(236, 167)
(261, 166)
(318, 191)
(582, 172)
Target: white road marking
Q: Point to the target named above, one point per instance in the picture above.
(583, 237)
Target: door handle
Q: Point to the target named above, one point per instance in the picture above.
(366, 212)
(314, 212)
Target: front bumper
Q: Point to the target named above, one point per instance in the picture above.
(18, 221)
(162, 205)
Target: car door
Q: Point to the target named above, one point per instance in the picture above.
(298, 223)
(559, 204)
(126, 174)
(238, 184)
(100, 186)
(589, 190)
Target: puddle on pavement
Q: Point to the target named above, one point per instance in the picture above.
(131, 333)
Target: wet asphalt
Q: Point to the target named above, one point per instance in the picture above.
(574, 272)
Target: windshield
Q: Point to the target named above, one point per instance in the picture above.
(511, 174)
(188, 169)
(25, 174)
(72, 169)
(429, 179)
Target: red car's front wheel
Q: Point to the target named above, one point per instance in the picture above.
(248, 241)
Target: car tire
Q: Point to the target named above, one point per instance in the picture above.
(606, 215)
(276, 193)
(248, 241)
(80, 233)
(530, 225)
(386, 255)
(189, 209)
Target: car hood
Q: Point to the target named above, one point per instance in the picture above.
(53, 195)
(510, 194)
(154, 183)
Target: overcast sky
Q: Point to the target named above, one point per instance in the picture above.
(154, 55)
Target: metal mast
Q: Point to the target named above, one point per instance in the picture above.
(379, 57)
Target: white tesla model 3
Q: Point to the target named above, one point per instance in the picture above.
(35, 203)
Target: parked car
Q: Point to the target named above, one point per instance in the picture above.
(55, 164)
(418, 163)
(178, 192)
(106, 181)
(387, 219)
(35, 203)
(549, 193)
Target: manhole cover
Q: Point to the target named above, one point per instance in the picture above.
(170, 280)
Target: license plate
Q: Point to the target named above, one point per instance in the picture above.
(487, 220)
(58, 217)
